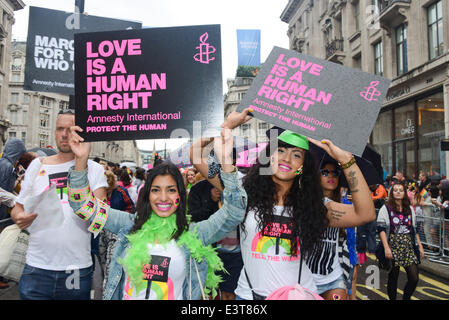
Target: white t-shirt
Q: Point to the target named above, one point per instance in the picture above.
(267, 260)
(65, 247)
(324, 263)
(164, 275)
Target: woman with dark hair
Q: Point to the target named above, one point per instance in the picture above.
(287, 213)
(158, 254)
(324, 261)
(396, 224)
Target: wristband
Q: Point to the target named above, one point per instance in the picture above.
(86, 211)
(79, 195)
(348, 164)
(100, 218)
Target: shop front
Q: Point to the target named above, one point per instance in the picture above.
(410, 127)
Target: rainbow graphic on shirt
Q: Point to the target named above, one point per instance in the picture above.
(163, 290)
(276, 233)
(262, 243)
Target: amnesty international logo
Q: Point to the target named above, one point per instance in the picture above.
(205, 50)
(371, 93)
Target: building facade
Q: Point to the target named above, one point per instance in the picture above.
(403, 40)
(31, 115)
(7, 8)
(254, 130)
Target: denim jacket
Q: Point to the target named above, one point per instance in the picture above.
(209, 231)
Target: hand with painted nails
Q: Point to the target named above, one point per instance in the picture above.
(335, 152)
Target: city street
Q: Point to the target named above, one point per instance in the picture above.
(430, 286)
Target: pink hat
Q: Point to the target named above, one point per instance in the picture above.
(296, 292)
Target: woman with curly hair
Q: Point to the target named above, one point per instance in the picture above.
(287, 214)
(396, 225)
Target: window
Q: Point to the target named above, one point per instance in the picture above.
(24, 117)
(12, 135)
(431, 132)
(15, 77)
(24, 137)
(401, 49)
(43, 140)
(15, 98)
(2, 51)
(435, 29)
(382, 139)
(357, 15)
(44, 120)
(263, 127)
(357, 62)
(378, 59)
(245, 129)
(26, 98)
(13, 116)
(376, 6)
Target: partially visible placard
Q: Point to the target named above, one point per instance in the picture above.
(50, 46)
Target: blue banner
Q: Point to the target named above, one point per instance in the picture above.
(248, 44)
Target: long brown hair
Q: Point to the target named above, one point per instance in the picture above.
(405, 201)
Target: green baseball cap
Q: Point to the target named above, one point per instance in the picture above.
(295, 139)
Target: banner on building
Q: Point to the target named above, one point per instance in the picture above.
(148, 84)
(50, 47)
(248, 45)
(317, 98)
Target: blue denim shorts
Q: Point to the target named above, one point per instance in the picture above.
(40, 284)
(338, 283)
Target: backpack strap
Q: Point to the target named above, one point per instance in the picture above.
(126, 199)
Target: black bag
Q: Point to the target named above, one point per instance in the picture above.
(384, 263)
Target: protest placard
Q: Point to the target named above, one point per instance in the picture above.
(148, 84)
(50, 50)
(317, 98)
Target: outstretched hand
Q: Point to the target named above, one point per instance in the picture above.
(80, 148)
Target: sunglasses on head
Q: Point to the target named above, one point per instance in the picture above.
(325, 172)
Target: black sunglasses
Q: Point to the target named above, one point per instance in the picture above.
(325, 172)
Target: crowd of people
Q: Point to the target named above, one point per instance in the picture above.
(212, 230)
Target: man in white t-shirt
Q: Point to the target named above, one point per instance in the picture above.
(58, 262)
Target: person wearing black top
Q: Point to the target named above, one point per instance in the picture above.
(203, 200)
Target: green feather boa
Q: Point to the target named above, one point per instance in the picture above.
(160, 230)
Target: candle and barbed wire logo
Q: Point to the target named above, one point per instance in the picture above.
(371, 93)
(205, 50)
